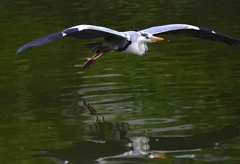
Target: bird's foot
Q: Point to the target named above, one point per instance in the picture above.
(91, 60)
(88, 63)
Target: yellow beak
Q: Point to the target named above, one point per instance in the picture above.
(153, 38)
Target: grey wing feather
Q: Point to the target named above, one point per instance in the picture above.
(194, 31)
(87, 32)
(90, 32)
(94, 46)
(41, 41)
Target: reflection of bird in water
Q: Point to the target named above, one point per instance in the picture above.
(98, 126)
(157, 155)
(101, 125)
(91, 111)
(108, 123)
(141, 147)
(116, 125)
(95, 126)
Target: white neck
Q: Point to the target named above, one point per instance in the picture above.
(139, 47)
(142, 48)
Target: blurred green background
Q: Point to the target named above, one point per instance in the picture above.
(183, 86)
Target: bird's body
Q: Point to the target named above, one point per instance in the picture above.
(132, 42)
(137, 46)
(131, 46)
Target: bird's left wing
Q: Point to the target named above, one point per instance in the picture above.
(194, 31)
(87, 32)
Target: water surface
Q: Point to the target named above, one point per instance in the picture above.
(180, 102)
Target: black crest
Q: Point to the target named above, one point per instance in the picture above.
(144, 34)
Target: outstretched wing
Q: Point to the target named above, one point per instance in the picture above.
(87, 32)
(194, 31)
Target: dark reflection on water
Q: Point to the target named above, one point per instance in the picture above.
(117, 142)
(183, 87)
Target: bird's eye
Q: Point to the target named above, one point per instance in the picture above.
(147, 37)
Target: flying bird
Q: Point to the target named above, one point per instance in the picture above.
(132, 42)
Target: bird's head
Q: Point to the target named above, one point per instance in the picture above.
(149, 38)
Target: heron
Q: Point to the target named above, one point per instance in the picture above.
(131, 42)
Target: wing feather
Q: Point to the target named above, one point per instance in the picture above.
(194, 31)
(41, 41)
(87, 32)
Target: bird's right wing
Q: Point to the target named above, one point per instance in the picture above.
(87, 32)
(194, 31)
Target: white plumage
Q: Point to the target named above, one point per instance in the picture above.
(133, 42)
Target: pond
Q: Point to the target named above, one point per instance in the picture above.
(177, 104)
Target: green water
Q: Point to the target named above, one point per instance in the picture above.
(183, 87)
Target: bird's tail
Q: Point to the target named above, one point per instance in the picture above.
(94, 46)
